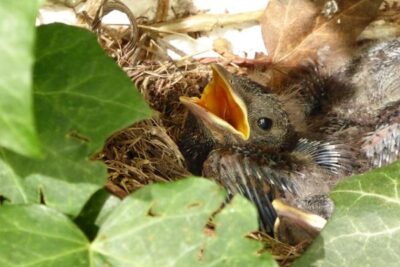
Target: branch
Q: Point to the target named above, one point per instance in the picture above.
(207, 22)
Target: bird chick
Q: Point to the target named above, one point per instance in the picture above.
(295, 147)
(375, 82)
(249, 144)
(361, 106)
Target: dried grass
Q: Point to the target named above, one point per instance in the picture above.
(143, 154)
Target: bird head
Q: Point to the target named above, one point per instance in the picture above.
(239, 111)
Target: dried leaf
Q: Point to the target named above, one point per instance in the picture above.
(321, 30)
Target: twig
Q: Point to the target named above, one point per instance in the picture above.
(243, 62)
(162, 10)
(207, 22)
(380, 30)
(115, 190)
(109, 5)
(161, 30)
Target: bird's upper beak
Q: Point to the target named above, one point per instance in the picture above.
(219, 107)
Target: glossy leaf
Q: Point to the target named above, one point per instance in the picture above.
(81, 97)
(34, 235)
(17, 34)
(164, 225)
(235, 221)
(159, 225)
(365, 228)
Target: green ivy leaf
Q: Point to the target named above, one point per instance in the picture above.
(17, 34)
(163, 225)
(35, 235)
(81, 97)
(11, 185)
(68, 199)
(159, 225)
(87, 95)
(365, 228)
(235, 221)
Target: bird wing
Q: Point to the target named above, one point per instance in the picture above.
(329, 155)
(244, 174)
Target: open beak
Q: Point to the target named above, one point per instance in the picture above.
(219, 106)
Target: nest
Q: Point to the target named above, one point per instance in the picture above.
(142, 154)
(146, 152)
(162, 83)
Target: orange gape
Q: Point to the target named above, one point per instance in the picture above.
(218, 99)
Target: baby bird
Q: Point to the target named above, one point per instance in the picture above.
(370, 107)
(243, 137)
(295, 147)
(359, 105)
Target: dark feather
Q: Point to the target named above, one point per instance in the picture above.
(243, 174)
(329, 155)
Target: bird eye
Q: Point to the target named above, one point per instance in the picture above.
(264, 123)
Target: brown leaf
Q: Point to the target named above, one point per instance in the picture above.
(297, 30)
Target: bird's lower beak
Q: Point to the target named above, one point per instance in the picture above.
(219, 107)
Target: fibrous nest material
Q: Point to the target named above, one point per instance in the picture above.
(162, 83)
(142, 154)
